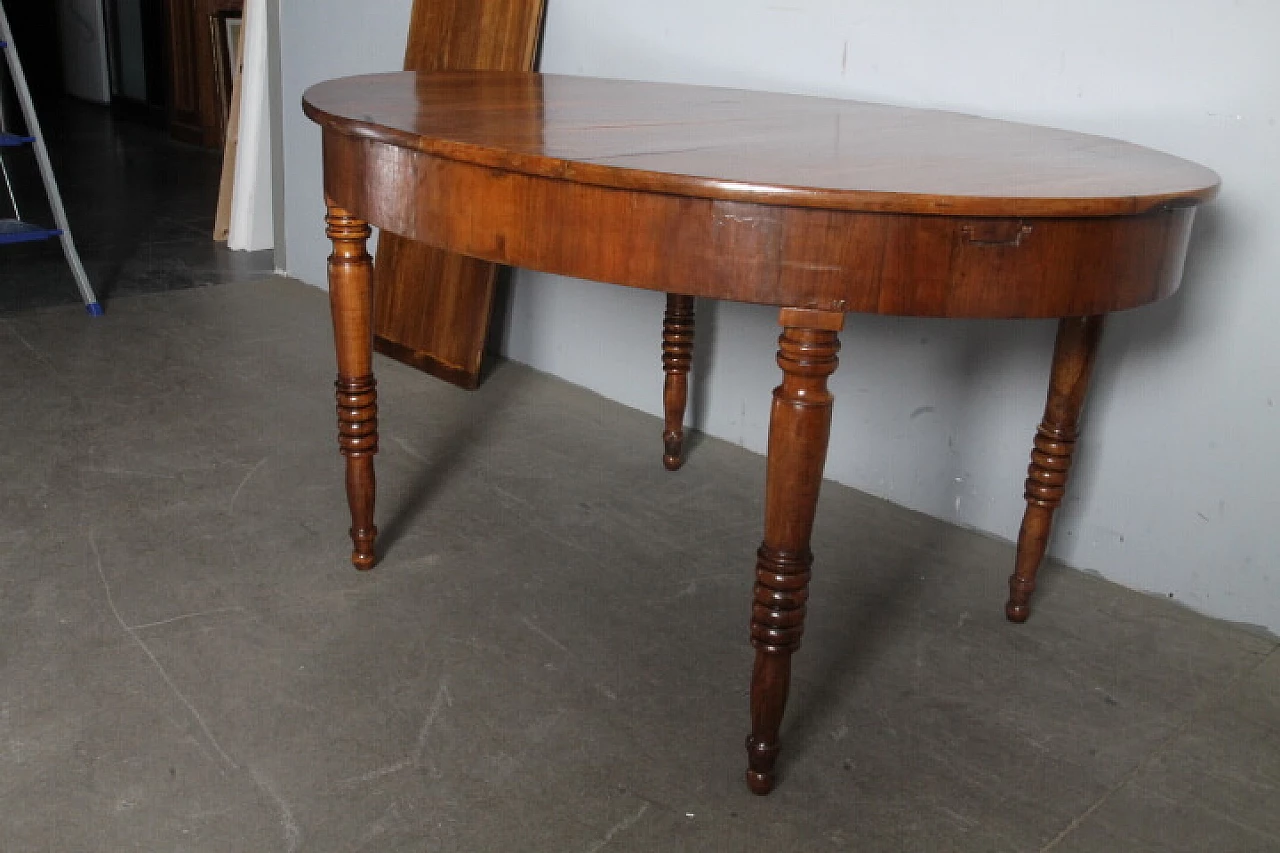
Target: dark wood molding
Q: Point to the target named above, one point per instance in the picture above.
(196, 113)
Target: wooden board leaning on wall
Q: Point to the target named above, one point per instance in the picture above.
(431, 307)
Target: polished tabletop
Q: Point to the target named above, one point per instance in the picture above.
(777, 199)
(758, 146)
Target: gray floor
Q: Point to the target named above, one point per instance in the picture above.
(552, 654)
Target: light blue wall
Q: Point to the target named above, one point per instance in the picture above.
(319, 40)
(1174, 488)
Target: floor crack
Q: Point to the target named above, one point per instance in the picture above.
(133, 633)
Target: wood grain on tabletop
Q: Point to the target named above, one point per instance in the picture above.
(761, 147)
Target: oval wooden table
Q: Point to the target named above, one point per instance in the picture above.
(817, 206)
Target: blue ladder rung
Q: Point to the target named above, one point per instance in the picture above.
(13, 140)
(17, 231)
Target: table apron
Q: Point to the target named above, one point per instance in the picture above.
(904, 264)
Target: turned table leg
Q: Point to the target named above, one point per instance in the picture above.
(677, 355)
(799, 427)
(351, 302)
(1055, 442)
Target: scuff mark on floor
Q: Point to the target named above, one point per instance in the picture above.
(164, 674)
(288, 824)
(232, 505)
(621, 826)
(418, 758)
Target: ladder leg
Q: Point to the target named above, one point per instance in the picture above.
(46, 170)
(90, 299)
(8, 185)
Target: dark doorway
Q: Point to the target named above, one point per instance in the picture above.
(137, 58)
(140, 203)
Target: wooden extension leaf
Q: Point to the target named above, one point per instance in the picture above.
(432, 307)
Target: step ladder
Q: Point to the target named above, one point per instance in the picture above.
(16, 230)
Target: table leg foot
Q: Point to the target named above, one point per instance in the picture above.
(351, 302)
(1055, 442)
(358, 441)
(677, 356)
(760, 760)
(799, 429)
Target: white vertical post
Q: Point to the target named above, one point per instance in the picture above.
(252, 227)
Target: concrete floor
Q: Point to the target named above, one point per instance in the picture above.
(552, 655)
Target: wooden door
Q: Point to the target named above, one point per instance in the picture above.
(431, 308)
(195, 110)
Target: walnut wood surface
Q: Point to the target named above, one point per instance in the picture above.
(351, 303)
(677, 357)
(799, 426)
(474, 136)
(817, 206)
(432, 307)
(1055, 443)
(758, 147)
(195, 109)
